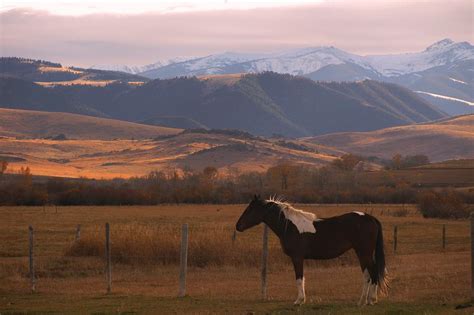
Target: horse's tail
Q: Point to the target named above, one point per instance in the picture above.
(382, 276)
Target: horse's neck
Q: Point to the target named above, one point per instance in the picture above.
(276, 221)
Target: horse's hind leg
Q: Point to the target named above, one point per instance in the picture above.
(365, 288)
(369, 287)
(372, 296)
(298, 265)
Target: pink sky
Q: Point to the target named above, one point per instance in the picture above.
(96, 36)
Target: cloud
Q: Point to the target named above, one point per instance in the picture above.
(362, 27)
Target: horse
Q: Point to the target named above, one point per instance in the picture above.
(305, 236)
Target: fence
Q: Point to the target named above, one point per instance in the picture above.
(183, 257)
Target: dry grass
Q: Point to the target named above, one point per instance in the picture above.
(59, 69)
(450, 139)
(32, 124)
(79, 81)
(127, 158)
(145, 241)
(140, 244)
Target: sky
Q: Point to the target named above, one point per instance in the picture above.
(138, 32)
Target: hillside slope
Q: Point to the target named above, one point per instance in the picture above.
(51, 73)
(446, 139)
(262, 104)
(36, 124)
(228, 151)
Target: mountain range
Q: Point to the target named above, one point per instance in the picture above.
(442, 73)
(263, 104)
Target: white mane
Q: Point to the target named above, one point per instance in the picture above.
(301, 219)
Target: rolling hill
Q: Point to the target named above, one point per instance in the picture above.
(262, 104)
(446, 139)
(49, 73)
(81, 156)
(36, 124)
(105, 148)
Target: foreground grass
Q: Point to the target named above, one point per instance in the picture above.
(425, 278)
(122, 304)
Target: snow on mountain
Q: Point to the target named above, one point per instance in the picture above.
(114, 67)
(441, 53)
(305, 61)
(220, 60)
(138, 69)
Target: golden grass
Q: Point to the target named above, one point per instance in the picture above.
(145, 242)
(59, 69)
(36, 124)
(449, 139)
(141, 244)
(79, 81)
(126, 158)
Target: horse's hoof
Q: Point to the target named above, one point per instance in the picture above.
(299, 302)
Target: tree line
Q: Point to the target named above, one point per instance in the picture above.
(340, 182)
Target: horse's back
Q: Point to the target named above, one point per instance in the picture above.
(335, 235)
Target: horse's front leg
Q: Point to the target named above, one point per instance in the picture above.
(298, 265)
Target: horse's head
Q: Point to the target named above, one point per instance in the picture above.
(253, 214)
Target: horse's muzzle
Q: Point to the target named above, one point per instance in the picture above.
(239, 227)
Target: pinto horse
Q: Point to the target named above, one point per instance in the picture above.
(303, 236)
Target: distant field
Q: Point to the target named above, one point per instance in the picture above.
(425, 278)
(127, 158)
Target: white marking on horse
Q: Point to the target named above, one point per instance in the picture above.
(365, 288)
(301, 219)
(358, 212)
(372, 297)
(301, 294)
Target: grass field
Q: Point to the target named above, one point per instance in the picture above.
(425, 278)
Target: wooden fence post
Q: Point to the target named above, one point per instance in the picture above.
(108, 267)
(183, 260)
(395, 238)
(32, 262)
(472, 256)
(444, 236)
(78, 233)
(264, 262)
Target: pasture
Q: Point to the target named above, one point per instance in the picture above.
(223, 275)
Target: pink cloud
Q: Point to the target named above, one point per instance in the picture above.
(360, 27)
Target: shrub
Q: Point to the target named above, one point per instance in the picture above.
(447, 204)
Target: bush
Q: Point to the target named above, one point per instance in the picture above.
(447, 204)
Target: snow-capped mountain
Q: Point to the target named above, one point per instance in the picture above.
(309, 60)
(439, 54)
(121, 68)
(139, 69)
(304, 61)
(439, 69)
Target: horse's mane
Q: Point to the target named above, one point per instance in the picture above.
(301, 219)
